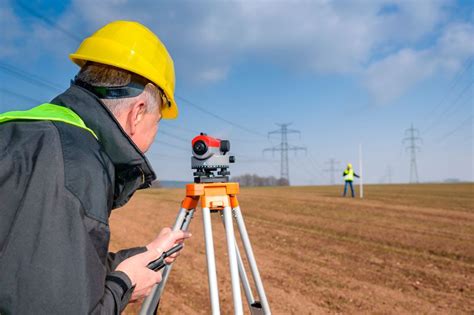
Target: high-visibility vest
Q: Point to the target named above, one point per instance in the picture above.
(349, 175)
(50, 112)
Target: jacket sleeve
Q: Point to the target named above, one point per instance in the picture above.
(114, 259)
(117, 292)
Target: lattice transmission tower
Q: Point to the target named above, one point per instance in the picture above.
(332, 169)
(412, 138)
(283, 148)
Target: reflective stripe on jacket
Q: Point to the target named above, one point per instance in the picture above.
(49, 112)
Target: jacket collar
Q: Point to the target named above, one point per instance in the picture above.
(132, 169)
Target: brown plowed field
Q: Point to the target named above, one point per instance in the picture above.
(403, 249)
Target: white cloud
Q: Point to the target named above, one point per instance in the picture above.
(318, 36)
(390, 77)
(374, 40)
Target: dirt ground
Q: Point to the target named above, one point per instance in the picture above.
(403, 249)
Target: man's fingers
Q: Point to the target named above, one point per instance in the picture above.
(181, 235)
(174, 255)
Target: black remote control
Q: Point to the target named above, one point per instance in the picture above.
(159, 263)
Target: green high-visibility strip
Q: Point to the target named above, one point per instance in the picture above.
(50, 112)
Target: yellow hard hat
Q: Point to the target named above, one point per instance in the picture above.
(133, 47)
(349, 165)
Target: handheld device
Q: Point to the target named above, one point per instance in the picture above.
(159, 263)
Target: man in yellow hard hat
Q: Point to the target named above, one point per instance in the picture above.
(349, 175)
(65, 165)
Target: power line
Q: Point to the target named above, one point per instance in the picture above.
(173, 136)
(412, 138)
(202, 109)
(46, 20)
(167, 156)
(186, 129)
(460, 126)
(27, 98)
(171, 145)
(28, 77)
(252, 159)
(442, 115)
(283, 148)
(454, 82)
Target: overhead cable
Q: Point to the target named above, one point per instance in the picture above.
(27, 98)
(46, 20)
(202, 109)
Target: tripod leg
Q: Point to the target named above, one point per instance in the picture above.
(243, 275)
(244, 278)
(234, 272)
(211, 262)
(150, 304)
(251, 260)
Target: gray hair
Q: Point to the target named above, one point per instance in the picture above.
(98, 74)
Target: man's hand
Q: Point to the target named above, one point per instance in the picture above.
(166, 240)
(142, 278)
(136, 269)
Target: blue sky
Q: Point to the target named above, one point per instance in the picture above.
(344, 73)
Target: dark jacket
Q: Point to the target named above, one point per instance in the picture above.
(58, 185)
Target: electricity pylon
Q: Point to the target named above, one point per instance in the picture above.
(332, 169)
(283, 148)
(412, 137)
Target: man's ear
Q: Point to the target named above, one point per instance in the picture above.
(136, 115)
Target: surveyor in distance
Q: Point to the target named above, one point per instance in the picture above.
(349, 175)
(65, 165)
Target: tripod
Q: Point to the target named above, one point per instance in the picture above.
(217, 198)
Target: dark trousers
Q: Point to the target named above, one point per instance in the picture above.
(348, 183)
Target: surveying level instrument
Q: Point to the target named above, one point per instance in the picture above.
(216, 196)
(209, 155)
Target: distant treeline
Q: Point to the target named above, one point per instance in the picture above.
(254, 180)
